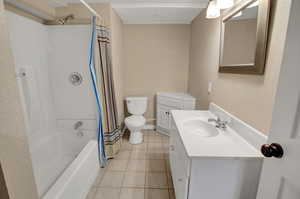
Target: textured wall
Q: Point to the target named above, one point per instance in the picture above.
(156, 59)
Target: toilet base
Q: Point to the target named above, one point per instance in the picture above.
(136, 137)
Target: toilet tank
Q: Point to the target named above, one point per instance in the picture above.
(136, 105)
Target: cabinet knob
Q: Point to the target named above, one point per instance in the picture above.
(180, 180)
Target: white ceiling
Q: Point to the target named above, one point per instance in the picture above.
(151, 11)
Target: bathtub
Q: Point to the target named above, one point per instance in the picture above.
(78, 178)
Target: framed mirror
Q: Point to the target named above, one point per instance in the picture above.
(244, 36)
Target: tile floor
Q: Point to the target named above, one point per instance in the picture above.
(138, 172)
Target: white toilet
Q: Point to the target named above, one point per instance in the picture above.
(136, 106)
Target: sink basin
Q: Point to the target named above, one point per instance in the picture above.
(201, 128)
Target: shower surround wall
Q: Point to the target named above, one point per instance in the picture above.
(48, 54)
(29, 46)
(114, 22)
(14, 148)
(72, 104)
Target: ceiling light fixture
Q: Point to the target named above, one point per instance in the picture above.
(213, 10)
(224, 4)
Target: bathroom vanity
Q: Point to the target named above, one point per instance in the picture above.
(167, 101)
(210, 163)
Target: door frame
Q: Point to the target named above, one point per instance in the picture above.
(3, 187)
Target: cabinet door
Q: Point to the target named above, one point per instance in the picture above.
(163, 115)
(179, 163)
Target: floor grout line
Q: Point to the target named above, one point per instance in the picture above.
(161, 143)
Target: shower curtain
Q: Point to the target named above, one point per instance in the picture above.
(109, 133)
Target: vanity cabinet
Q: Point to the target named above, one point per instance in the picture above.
(210, 177)
(180, 167)
(165, 102)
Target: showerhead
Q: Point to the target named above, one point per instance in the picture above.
(65, 19)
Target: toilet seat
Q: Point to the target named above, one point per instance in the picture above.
(135, 120)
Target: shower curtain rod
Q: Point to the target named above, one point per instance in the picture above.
(92, 10)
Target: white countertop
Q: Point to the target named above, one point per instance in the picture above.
(227, 144)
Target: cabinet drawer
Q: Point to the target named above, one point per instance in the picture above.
(177, 104)
(179, 160)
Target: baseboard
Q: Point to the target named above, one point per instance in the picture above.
(146, 127)
(162, 131)
(149, 127)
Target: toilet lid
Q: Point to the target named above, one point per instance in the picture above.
(135, 120)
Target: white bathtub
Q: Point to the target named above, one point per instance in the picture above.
(78, 178)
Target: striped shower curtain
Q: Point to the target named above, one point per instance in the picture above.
(109, 131)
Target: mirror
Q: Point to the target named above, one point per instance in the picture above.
(244, 37)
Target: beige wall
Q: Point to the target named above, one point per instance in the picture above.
(14, 152)
(118, 61)
(249, 97)
(156, 59)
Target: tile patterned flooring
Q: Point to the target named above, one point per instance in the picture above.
(138, 172)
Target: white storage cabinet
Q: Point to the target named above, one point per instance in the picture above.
(171, 101)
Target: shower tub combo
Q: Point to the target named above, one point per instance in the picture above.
(65, 160)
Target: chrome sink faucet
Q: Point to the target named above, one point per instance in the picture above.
(219, 123)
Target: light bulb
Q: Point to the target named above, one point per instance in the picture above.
(224, 4)
(213, 10)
